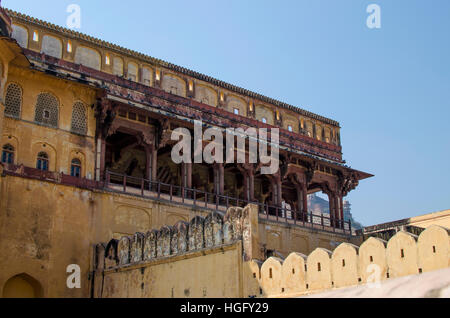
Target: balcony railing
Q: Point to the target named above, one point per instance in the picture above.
(212, 201)
(181, 195)
(51, 176)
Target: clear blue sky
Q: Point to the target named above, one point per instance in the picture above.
(389, 88)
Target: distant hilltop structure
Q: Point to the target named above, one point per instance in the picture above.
(319, 206)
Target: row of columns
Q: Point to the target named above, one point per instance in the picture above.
(335, 200)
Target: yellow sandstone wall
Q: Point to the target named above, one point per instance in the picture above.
(441, 218)
(215, 273)
(44, 227)
(202, 258)
(28, 139)
(287, 239)
(2, 111)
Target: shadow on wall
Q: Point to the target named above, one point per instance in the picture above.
(22, 286)
(375, 260)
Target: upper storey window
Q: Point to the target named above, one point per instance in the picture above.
(46, 111)
(75, 168)
(88, 57)
(107, 60)
(51, 46)
(8, 154)
(146, 76)
(205, 95)
(236, 111)
(264, 114)
(13, 100)
(20, 34)
(174, 85)
(132, 72)
(35, 36)
(290, 128)
(309, 128)
(79, 119)
(42, 161)
(118, 66)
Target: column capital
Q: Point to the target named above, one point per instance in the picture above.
(246, 168)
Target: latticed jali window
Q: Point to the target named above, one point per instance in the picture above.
(47, 110)
(79, 119)
(13, 100)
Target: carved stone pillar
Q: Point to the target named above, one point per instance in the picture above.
(148, 162)
(248, 174)
(305, 199)
(246, 186)
(189, 175)
(332, 207)
(100, 159)
(186, 175)
(302, 201)
(219, 181)
(154, 164)
(105, 114)
(277, 197)
(251, 185)
(340, 209)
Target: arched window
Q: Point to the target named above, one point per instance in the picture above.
(47, 110)
(79, 119)
(174, 85)
(8, 154)
(20, 34)
(264, 120)
(13, 100)
(132, 72)
(88, 57)
(42, 161)
(75, 168)
(146, 76)
(118, 66)
(51, 46)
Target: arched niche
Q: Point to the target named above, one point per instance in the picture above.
(22, 286)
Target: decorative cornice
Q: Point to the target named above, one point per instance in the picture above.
(157, 62)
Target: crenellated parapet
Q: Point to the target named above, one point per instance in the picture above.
(348, 265)
(201, 233)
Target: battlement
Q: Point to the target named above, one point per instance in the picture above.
(348, 265)
(233, 239)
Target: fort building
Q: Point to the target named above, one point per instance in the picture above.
(85, 137)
